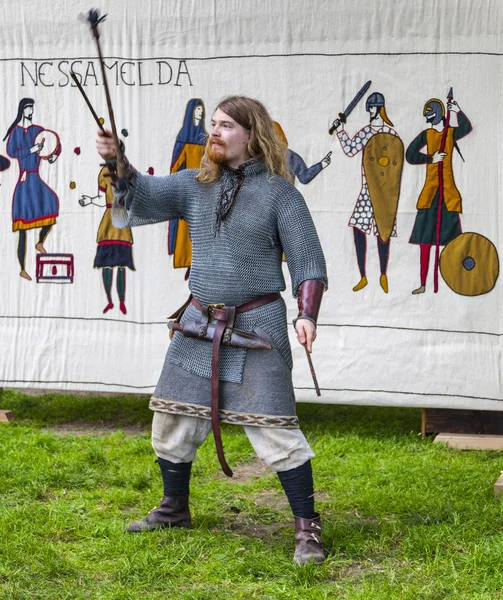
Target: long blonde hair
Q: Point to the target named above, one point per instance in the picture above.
(264, 141)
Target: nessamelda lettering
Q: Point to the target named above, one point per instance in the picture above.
(141, 73)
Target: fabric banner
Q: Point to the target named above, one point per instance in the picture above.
(410, 168)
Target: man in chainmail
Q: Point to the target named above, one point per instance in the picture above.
(242, 215)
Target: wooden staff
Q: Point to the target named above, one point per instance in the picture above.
(313, 374)
(81, 90)
(93, 20)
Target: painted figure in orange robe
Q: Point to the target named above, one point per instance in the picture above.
(424, 231)
(187, 154)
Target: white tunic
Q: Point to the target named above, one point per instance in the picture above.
(363, 213)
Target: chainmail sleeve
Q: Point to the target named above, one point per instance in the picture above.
(144, 199)
(299, 238)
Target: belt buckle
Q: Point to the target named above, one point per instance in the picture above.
(212, 308)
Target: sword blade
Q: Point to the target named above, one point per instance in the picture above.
(357, 99)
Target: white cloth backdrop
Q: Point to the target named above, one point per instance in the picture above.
(305, 61)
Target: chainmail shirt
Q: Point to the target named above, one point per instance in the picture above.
(235, 257)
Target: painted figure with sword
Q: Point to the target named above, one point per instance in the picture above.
(230, 358)
(382, 163)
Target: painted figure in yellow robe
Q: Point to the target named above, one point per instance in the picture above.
(114, 246)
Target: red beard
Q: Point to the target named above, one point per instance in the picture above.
(216, 153)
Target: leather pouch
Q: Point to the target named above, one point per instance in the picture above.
(232, 337)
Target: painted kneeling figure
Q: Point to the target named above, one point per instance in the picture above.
(243, 213)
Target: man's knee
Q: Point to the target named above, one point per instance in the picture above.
(280, 449)
(177, 437)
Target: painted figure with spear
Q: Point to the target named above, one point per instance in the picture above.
(230, 358)
(439, 204)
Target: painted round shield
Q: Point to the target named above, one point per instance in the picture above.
(50, 139)
(469, 264)
(383, 164)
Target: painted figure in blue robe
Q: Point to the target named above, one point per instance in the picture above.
(187, 154)
(34, 204)
(296, 163)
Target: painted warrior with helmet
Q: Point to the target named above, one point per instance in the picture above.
(424, 230)
(377, 202)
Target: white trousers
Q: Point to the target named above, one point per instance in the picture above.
(177, 437)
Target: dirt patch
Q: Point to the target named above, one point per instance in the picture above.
(321, 496)
(248, 471)
(356, 570)
(269, 533)
(98, 429)
(353, 571)
(273, 499)
(350, 571)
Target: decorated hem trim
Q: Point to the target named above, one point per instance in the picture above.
(20, 224)
(226, 416)
(114, 243)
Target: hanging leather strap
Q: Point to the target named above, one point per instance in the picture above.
(227, 320)
(177, 315)
(225, 317)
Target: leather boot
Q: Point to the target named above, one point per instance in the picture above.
(308, 544)
(173, 512)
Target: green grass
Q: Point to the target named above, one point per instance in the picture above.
(403, 518)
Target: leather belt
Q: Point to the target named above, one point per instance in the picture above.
(224, 317)
(251, 304)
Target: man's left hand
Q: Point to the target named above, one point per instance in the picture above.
(306, 333)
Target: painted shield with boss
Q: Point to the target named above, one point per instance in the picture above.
(469, 264)
(383, 164)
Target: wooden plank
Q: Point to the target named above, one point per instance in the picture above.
(437, 420)
(6, 416)
(463, 441)
(498, 487)
(423, 422)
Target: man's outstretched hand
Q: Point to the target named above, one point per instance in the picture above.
(105, 144)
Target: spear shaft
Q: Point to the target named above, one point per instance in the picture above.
(441, 195)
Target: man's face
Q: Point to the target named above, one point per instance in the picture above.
(198, 113)
(374, 112)
(432, 118)
(28, 111)
(228, 140)
(433, 112)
